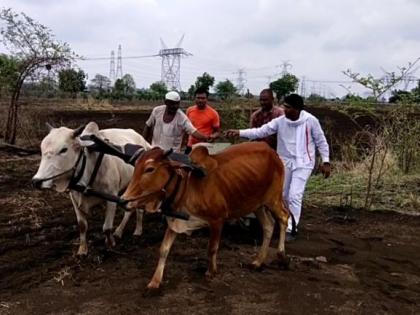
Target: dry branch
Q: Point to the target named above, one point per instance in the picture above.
(18, 150)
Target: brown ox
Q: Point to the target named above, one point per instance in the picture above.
(239, 180)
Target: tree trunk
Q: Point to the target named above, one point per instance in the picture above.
(10, 133)
(12, 116)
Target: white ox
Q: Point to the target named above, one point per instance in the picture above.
(60, 151)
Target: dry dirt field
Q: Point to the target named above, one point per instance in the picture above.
(344, 262)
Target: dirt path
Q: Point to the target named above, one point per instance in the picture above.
(344, 262)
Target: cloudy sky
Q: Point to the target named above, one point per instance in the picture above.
(319, 39)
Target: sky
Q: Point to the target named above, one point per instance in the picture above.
(317, 40)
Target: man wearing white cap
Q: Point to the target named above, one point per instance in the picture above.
(167, 125)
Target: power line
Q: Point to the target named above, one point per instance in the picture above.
(330, 81)
(108, 58)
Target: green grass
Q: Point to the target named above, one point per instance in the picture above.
(398, 192)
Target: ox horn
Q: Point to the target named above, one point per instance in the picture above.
(49, 126)
(78, 131)
(167, 153)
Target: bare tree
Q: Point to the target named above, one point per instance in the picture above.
(379, 86)
(36, 51)
(376, 164)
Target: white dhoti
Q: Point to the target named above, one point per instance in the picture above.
(294, 187)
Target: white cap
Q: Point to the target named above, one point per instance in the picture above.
(172, 96)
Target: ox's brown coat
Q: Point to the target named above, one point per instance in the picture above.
(241, 179)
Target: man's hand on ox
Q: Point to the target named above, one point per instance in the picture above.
(212, 137)
(232, 133)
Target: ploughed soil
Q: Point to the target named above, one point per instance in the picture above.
(344, 262)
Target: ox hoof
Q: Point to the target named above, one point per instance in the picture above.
(152, 289)
(82, 251)
(210, 275)
(110, 241)
(256, 266)
(137, 233)
(81, 256)
(150, 292)
(118, 234)
(284, 262)
(136, 239)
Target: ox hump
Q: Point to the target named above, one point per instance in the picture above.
(201, 157)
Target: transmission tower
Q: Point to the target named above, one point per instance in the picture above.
(112, 67)
(171, 64)
(284, 66)
(303, 87)
(240, 81)
(119, 64)
(314, 89)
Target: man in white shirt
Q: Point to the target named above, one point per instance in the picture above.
(298, 134)
(167, 125)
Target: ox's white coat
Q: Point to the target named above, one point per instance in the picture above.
(60, 150)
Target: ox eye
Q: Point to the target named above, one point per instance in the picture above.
(149, 169)
(63, 150)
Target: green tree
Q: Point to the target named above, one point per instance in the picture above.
(143, 94)
(287, 84)
(401, 96)
(204, 81)
(158, 90)
(8, 73)
(35, 50)
(71, 81)
(100, 85)
(124, 87)
(225, 89)
(416, 93)
(44, 87)
(191, 91)
(316, 99)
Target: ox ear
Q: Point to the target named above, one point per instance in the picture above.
(50, 127)
(200, 156)
(179, 160)
(91, 128)
(78, 131)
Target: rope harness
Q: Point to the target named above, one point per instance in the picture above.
(167, 201)
(103, 147)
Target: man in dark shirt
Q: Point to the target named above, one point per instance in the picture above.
(265, 114)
